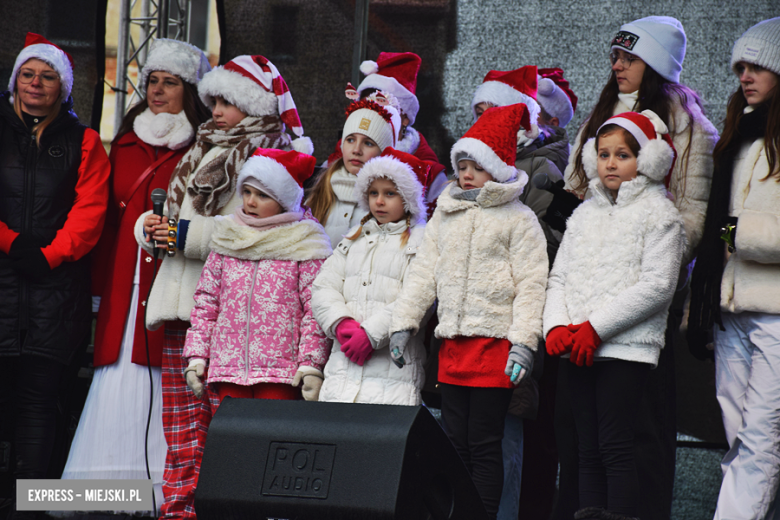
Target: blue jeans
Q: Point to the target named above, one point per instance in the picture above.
(512, 448)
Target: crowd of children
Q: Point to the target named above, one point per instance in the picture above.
(266, 291)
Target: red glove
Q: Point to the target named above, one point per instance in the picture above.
(558, 341)
(358, 348)
(346, 329)
(585, 342)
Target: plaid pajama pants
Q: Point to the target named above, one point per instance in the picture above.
(183, 418)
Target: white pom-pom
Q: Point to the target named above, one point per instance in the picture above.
(658, 124)
(303, 145)
(545, 87)
(369, 67)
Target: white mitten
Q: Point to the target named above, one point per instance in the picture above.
(193, 374)
(312, 382)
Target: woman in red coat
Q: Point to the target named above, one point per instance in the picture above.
(154, 135)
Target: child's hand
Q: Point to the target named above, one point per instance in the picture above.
(558, 341)
(193, 374)
(585, 341)
(398, 342)
(312, 382)
(156, 228)
(519, 364)
(358, 348)
(346, 329)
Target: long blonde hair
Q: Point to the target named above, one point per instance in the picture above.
(322, 196)
(38, 129)
(404, 236)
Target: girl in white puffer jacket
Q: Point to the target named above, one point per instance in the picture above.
(354, 294)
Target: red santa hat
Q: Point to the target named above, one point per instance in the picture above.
(36, 46)
(502, 88)
(408, 173)
(279, 174)
(656, 155)
(492, 142)
(555, 96)
(254, 85)
(396, 73)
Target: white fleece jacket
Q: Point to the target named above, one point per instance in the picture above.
(751, 280)
(173, 291)
(690, 186)
(486, 262)
(617, 267)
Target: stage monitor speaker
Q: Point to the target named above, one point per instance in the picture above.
(301, 460)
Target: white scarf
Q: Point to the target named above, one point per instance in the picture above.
(172, 131)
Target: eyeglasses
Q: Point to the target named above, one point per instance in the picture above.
(48, 79)
(625, 62)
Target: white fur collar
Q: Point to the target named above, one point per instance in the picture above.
(410, 142)
(490, 195)
(343, 184)
(298, 241)
(172, 131)
(629, 191)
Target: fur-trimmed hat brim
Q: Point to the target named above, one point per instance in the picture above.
(412, 192)
(501, 95)
(276, 180)
(485, 157)
(238, 90)
(174, 57)
(654, 159)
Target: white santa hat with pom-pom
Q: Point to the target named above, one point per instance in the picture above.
(554, 95)
(255, 86)
(656, 155)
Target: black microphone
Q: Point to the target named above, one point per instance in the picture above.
(562, 205)
(158, 201)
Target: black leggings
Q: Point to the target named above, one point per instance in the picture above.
(474, 421)
(604, 400)
(29, 387)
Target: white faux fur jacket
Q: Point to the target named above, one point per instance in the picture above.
(751, 280)
(486, 262)
(173, 291)
(617, 267)
(690, 187)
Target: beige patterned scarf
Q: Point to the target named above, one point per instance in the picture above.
(215, 182)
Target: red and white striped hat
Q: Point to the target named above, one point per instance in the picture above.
(254, 85)
(656, 155)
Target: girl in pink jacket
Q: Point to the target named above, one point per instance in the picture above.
(252, 323)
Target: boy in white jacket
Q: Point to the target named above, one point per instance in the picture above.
(355, 292)
(608, 296)
(484, 256)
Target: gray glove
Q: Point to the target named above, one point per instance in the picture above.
(398, 342)
(193, 375)
(519, 364)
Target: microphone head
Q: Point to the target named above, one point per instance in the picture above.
(541, 181)
(159, 195)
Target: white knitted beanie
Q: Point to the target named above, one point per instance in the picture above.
(660, 42)
(759, 45)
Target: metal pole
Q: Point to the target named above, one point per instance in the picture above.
(162, 18)
(146, 26)
(361, 38)
(120, 83)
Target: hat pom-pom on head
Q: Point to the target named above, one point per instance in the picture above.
(303, 144)
(369, 67)
(545, 86)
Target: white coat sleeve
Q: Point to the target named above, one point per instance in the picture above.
(528, 256)
(327, 292)
(655, 288)
(419, 290)
(556, 312)
(138, 232)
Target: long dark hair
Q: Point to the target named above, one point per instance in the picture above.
(194, 109)
(734, 112)
(655, 93)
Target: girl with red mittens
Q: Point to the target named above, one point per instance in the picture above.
(608, 296)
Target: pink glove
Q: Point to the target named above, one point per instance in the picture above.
(346, 329)
(358, 348)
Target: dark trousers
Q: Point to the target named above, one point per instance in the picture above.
(604, 399)
(29, 391)
(474, 421)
